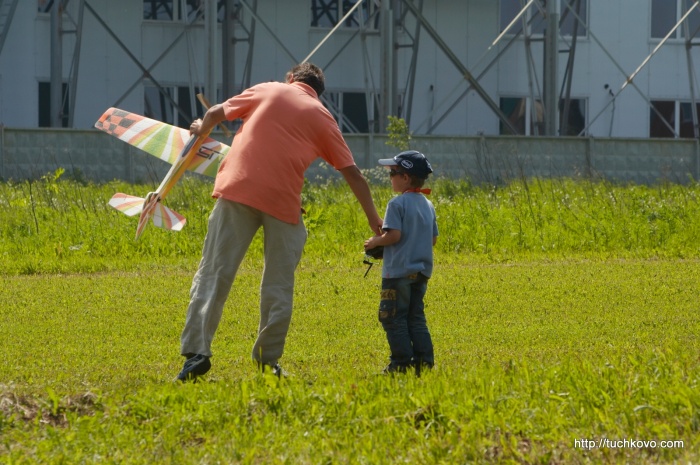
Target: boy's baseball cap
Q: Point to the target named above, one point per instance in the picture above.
(412, 162)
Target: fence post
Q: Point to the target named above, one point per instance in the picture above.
(697, 160)
(2, 151)
(589, 157)
(129, 159)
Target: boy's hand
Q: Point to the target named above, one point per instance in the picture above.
(372, 249)
(371, 242)
(388, 237)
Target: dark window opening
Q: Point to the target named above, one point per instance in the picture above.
(519, 114)
(687, 128)
(665, 14)
(576, 120)
(172, 10)
(45, 105)
(352, 108)
(529, 121)
(667, 111)
(327, 13)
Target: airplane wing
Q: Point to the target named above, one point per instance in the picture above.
(161, 140)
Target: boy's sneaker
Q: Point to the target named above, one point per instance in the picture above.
(195, 366)
(392, 369)
(422, 367)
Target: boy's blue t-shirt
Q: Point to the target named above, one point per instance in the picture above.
(413, 215)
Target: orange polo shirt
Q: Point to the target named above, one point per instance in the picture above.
(285, 128)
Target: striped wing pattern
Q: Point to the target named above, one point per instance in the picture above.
(161, 140)
(163, 217)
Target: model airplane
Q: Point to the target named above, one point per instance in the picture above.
(169, 143)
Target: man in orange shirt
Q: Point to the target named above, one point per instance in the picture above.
(259, 183)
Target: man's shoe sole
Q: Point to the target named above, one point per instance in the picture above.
(194, 367)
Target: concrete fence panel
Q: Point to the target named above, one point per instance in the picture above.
(94, 156)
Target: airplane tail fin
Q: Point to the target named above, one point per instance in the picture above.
(163, 217)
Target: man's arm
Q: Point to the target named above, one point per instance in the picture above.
(358, 185)
(212, 117)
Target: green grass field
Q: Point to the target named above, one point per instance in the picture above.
(564, 315)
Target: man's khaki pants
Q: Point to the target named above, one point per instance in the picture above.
(231, 229)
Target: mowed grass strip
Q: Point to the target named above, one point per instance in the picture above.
(531, 356)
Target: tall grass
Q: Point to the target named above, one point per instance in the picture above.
(562, 217)
(52, 225)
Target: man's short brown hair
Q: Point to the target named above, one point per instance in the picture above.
(309, 74)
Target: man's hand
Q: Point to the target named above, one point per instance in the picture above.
(196, 127)
(359, 187)
(377, 227)
(213, 116)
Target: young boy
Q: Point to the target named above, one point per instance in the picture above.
(409, 234)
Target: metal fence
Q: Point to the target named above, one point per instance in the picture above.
(95, 156)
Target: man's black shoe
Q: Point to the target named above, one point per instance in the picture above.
(275, 369)
(195, 366)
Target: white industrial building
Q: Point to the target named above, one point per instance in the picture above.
(617, 68)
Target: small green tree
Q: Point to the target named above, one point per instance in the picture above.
(399, 135)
